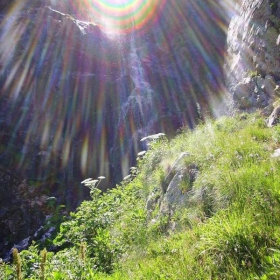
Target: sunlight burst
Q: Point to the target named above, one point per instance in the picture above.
(122, 16)
(88, 100)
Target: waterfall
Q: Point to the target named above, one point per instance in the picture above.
(140, 99)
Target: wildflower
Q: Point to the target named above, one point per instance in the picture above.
(86, 180)
(142, 153)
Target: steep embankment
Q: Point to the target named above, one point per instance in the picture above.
(205, 205)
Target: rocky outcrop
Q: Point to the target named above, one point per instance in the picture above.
(176, 192)
(253, 65)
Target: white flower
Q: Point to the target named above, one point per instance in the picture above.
(142, 153)
(153, 137)
(86, 180)
(127, 177)
(91, 183)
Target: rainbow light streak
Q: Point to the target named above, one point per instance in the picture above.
(178, 52)
(121, 16)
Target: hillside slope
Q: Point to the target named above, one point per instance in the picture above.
(205, 205)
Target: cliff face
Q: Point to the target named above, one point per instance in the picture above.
(253, 65)
(74, 101)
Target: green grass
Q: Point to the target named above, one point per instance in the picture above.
(229, 229)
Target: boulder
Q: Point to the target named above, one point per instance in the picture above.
(173, 171)
(251, 93)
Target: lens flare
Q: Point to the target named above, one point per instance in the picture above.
(121, 16)
(87, 100)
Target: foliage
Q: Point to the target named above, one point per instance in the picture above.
(252, 73)
(229, 229)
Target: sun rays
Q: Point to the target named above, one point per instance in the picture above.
(120, 16)
(70, 90)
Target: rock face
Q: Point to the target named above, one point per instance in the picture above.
(177, 185)
(176, 192)
(253, 65)
(75, 102)
(81, 101)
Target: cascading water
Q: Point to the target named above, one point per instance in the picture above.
(136, 111)
(141, 96)
(142, 93)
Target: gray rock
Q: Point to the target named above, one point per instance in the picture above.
(260, 82)
(152, 201)
(269, 86)
(274, 118)
(178, 190)
(174, 169)
(253, 49)
(267, 110)
(175, 196)
(243, 90)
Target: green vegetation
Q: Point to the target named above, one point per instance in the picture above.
(252, 73)
(229, 229)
